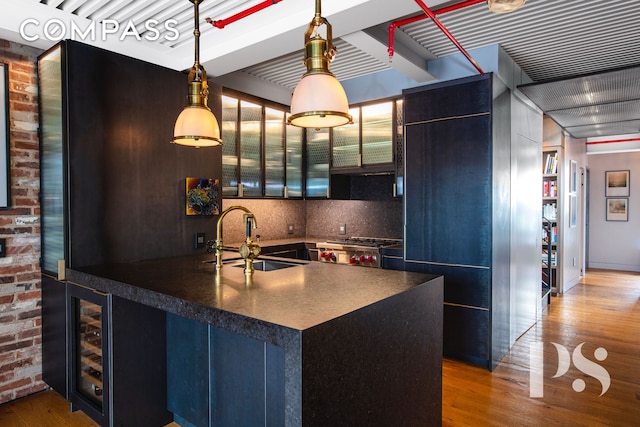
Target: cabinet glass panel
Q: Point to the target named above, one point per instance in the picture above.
(52, 181)
(399, 136)
(377, 133)
(89, 362)
(346, 142)
(294, 160)
(251, 148)
(229, 146)
(274, 152)
(317, 162)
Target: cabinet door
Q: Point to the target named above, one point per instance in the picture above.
(52, 155)
(377, 133)
(54, 334)
(294, 159)
(89, 345)
(346, 142)
(219, 378)
(251, 168)
(317, 162)
(274, 152)
(448, 191)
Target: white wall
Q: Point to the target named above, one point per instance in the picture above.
(613, 245)
(574, 237)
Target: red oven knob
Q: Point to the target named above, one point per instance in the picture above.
(353, 260)
(323, 254)
(362, 258)
(370, 258)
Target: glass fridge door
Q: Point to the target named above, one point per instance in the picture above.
(89, 384)
(89, 348)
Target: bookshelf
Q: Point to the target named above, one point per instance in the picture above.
(551, 209)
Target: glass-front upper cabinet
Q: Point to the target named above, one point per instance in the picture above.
(274, 170)
(261, 155)
(294, 159)
(377, 133)
(317, 162)
(369, 141)
(346, 142)
(251, 170)
(230, 165)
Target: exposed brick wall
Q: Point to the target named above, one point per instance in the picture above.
(20, 297)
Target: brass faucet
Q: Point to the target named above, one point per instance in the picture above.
(248, 250)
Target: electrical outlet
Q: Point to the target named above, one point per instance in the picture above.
(3, 248)
(199, 240)
(290, 228)
(342, 229)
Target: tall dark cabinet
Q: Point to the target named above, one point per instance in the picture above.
(457, 209)
(112, 190)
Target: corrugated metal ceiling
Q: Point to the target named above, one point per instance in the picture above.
(548, 39)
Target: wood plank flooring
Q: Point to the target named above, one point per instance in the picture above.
(603, 311)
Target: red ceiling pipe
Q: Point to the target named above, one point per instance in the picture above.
(432, 14)
(243, 14)
(613, 140)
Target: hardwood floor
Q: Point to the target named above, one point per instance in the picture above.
(603, 312)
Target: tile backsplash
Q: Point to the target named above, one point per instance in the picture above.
(314, 218)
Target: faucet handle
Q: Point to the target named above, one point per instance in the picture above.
(210, 245)
(250, 250)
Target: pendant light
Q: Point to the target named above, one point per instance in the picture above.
(504, 6)
(319, 101)
(196, 125)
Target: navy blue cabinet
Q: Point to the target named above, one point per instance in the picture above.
(54, 334)
(219, 378)
(454, 162)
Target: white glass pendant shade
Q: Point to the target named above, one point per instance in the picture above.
(319, 101)
(196, 126)
(504, 6)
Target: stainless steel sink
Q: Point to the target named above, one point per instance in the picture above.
(269, 265)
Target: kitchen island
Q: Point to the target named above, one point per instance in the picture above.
(306, 345)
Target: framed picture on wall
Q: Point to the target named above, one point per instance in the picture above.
(573, 177)
(573, 210)
(617, 183)
(5, 178)
(618, 209)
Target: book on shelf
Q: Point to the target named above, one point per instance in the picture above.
(550, 188)
(551, 164)
(553, 235)
(545, 257)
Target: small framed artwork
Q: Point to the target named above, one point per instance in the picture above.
(5, 177)
(617, 183)
(618, 209)
(573, 210)
(573, 177)
(202, 196)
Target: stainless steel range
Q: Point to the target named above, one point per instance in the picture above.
(361, 251)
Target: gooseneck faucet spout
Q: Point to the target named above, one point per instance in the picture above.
(248, 250)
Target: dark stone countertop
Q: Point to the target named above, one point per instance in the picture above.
(296, 298)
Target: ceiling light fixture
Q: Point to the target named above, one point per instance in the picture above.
(196, 125)
(319, 100)
(504, 6)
